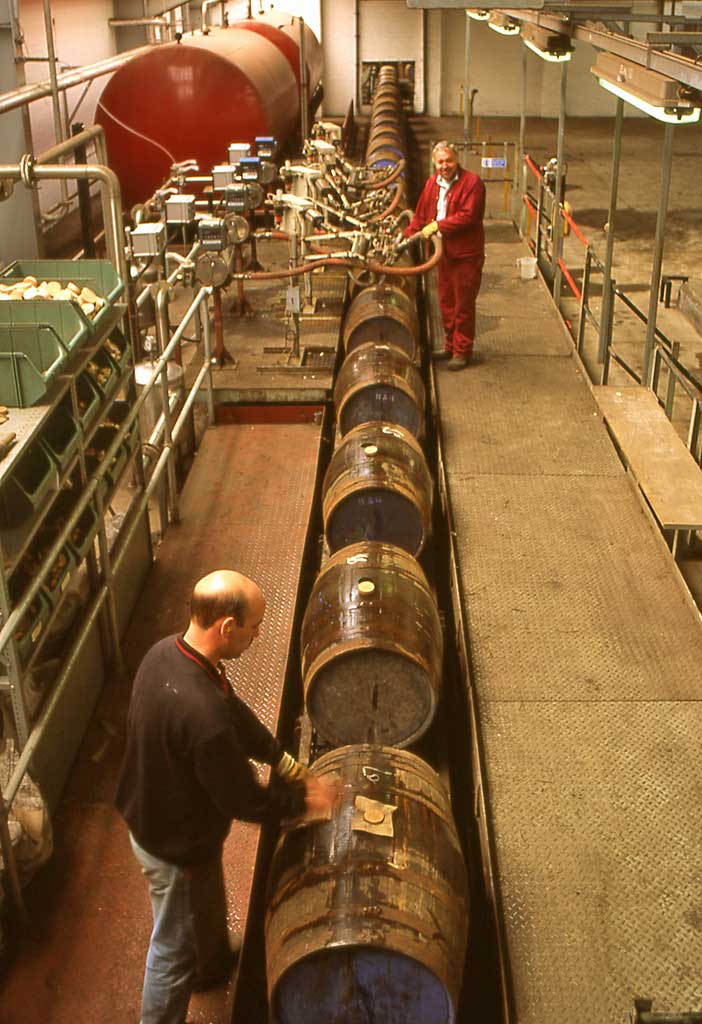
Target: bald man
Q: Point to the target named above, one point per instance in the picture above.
(186, 775)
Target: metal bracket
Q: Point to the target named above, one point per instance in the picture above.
(372, 816)
(642, 1013)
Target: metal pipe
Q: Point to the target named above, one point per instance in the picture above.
(156, 20)
(162, 332)
(304, 87)
(666, 161)
(522, 142)
(29, 93)
(556, 219)
(109, 577)
(86, 220)
(93, 134)
(356, 54)
(203, 13)
(51, 53)
(110, 194)
(467, 105)
(607, 292)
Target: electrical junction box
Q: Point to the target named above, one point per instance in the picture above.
(266, 146)
(223, 175)
(212, 233)
(238, 150)
(180, 209)
(148, 239)
(250, 168)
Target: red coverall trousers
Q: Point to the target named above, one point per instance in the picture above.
(459, 284)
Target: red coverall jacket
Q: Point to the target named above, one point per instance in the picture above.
(462, 227)
(460, 269)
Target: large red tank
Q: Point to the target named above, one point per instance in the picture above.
(276, 24)
(190, 100)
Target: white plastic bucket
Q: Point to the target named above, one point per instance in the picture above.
(527, 267)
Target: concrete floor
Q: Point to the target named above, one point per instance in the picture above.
(588, 154)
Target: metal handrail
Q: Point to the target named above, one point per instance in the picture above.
(135, 512)
(17, 613)
(664, 350)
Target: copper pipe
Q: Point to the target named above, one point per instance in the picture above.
(378, 268)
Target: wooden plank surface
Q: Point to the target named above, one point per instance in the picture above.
(664, 469)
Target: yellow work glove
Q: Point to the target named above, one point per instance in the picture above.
(429, 229)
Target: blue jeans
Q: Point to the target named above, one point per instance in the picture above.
(170, 961)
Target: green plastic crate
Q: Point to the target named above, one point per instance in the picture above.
(89, 399)
(33, 621)
(83, 532)
(30, 358)
(118, 349)
(60, 435)
(99, 275)
(66, 319)
(24, 490)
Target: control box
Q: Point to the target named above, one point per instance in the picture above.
(223, 175)
(148, 239)
(238, 150)
(180, 209)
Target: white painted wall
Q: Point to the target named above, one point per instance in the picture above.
(81, 36)
(338, 49)
(388, 30)
(496, 71)
(16, 216)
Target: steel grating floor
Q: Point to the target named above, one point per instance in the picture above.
(585, 658)
(246, 505)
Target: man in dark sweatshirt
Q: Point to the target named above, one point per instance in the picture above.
(186, 775)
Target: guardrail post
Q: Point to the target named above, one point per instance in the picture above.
(666, 161)
(556, 214)
(606, 316)
(584, 300)
(607, 291)
(670, 390)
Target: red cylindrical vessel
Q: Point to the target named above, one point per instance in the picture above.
(191, 100)
(277, 24)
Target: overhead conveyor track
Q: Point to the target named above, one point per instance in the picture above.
(584, 655)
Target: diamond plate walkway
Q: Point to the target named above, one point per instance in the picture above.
(586, 661)
(246, 504)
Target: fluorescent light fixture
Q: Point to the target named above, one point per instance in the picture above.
(503, 24)
(657, 95)
(555, 47)
(554, 58)
(671, 115)
(478, 15)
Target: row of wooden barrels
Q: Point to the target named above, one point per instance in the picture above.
(367, 912)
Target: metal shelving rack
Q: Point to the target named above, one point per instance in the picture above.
(96, 488)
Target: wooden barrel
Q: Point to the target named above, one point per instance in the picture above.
(382, 313)
(386, 156)
(379, 382)
(371, 648)
(367, 914)
(384, 137)
(378, 487)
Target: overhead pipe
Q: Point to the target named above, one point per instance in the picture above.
(59, 133)
(28, 171)
(39, 90)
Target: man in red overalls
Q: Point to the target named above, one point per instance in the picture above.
(453, 202)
